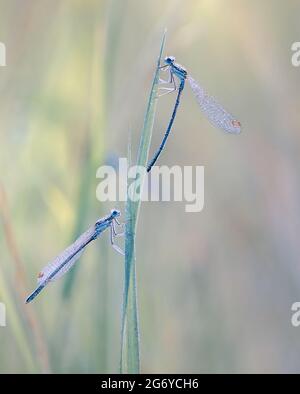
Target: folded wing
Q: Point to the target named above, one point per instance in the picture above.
(66, 260)
(214, 112)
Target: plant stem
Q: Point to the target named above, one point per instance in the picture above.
(130, 350)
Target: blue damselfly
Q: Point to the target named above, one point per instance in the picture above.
(213, 111)
(64, 261)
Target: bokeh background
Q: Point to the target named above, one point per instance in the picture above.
(215, 288)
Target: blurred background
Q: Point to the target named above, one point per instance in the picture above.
(215, 288)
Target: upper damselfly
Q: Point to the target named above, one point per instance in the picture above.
(64, 261)
(213, 111)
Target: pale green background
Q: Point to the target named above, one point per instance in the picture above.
(215, 288)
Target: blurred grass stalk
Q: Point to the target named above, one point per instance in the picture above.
(39, 343)
(94, 153)
(130, 352)
(98, 103)
(16, 327)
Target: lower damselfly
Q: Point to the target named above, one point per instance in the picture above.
(213, 111)
(65, 260)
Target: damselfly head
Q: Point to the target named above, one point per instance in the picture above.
(169, 59)
(115, 213)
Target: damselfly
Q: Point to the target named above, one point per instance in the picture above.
(214, 112)
(64, 261)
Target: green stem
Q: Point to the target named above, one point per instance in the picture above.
(130, 352)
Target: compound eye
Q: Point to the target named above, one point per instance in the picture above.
(115, 212)
(169, 59)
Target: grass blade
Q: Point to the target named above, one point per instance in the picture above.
(21, 285)
(16, 326)
(130, 354)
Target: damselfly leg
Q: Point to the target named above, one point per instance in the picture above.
(114, 234)
(163, 66)
(112, 241)
(171, 80)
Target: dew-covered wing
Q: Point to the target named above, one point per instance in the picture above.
(64, 261)
(214, 112)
